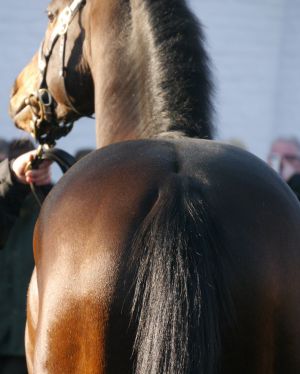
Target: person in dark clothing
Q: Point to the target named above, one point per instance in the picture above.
(3, 149)
(18, 213)
(284, 157)
(14, 180)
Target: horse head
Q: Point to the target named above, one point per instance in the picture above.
(56, 87)
(140, 65)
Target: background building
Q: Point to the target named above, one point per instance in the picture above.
(254, 46)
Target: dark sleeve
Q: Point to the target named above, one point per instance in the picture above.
(12, 195)
(294, 183)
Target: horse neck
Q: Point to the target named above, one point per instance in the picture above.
(150, 71)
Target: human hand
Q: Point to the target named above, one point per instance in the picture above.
(40, 176)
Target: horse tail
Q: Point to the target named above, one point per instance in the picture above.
(176, 300)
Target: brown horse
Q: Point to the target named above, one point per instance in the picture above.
(162, 253)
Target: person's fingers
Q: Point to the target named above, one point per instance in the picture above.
(44, 167)
(37, 176)
(45, 164)
(22, 178)
(39, 181)
(43, 182)
(19, 165)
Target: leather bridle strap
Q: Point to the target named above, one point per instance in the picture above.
(63, 159)
(64, 19)
(45, 117)
(62, 74)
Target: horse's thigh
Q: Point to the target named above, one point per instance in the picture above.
(31, 323)
(73, 314)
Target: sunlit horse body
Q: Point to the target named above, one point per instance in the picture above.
(161, 253)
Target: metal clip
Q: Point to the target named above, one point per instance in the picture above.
(44, 97)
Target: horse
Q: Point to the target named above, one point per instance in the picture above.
(163, 251)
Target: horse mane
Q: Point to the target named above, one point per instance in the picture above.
(185, 78)
(164, 82)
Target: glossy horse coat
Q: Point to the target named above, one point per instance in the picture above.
(161, 253)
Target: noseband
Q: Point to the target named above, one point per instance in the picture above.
(45, 127)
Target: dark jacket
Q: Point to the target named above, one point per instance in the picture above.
(12, 195)
(18, 214)
(16, 265)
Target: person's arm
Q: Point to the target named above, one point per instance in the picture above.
(14, 180)
(12, 195)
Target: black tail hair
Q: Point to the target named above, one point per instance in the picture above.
(179, 287)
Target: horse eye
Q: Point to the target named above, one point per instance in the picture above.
(51, 16)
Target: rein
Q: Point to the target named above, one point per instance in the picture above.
(63, 159)
(45, 127)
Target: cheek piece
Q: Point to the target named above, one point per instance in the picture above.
(45, 127)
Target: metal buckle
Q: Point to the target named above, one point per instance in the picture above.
(44, 97)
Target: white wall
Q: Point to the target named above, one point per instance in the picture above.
(287, 100)
(254, 46)
(255, 49)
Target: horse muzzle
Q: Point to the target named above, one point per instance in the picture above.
(21, 116)
(35, 114)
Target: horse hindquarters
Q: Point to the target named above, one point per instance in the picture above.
(154, 213)
(210, 270)
(85, 224)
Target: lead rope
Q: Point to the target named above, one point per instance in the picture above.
(34, 164)
(62, 158)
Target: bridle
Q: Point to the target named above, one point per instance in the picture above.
(45, 127)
